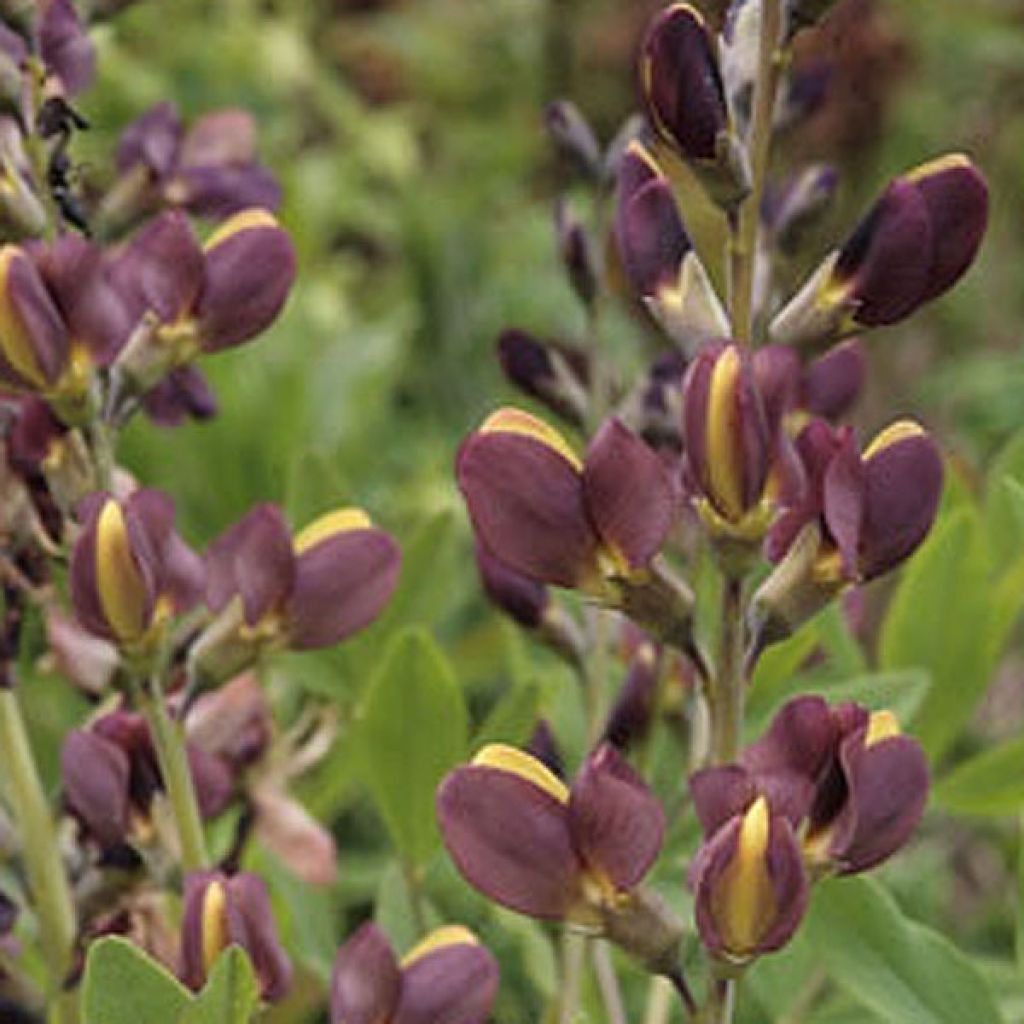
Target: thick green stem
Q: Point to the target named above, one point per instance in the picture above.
(169, 741)
(47, 880)
(729, 686)
(743, 241)
(608, 983)
(414, 887)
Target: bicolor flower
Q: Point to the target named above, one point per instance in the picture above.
(914, 244)
(824, 791)
(222, 911)
(59, 318)
(595, 525)
(110, 776)
(686, 102)
(210, 170)
(448, 977)
(525, 840)
(658, 256)
(191, 299)
(130, 571)
(729, 442)
(858, 517)
(272, 590)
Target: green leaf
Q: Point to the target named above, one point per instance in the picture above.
(231, 994)
(900, 692)
(940, 620)
(898, 969)
(779, 665)
(124, 986)
(412, 730)
(991, 783)
(1003, 519)
(512, 719)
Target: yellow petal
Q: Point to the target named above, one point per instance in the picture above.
(882, 725)
(254, 217)
(515, 421)
(744, 900)
(723, 450)
(440, 938)
(901, 430)
(119, 584)
(14, 341)
(518, 762)
(937, 166)
(341, 520)
(214, 924)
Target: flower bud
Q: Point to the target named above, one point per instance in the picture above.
(789, 210)
(728, 442)
(914, 244)
(222, 911)
(749, 884)
(573, 137)
(632, 714)
(65, 46)
(557, 375)
(658, 257)
(95, 773)
(686, 102)
(577, 252)
(832, 383)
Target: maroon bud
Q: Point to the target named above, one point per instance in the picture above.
(573, 137)
(366, 979)
(633, 712)
(8, 914)
(682, 84)
(554, 374)
(152, 140)
(184, 394)
(95, 775)
(544, 747)
(65, 46)
(833, 382)
(577, 251)
(222, 911)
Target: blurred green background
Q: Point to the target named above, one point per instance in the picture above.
(418, 186)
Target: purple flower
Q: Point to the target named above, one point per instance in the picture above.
(447, 977)
(221, 911)
(913, 245)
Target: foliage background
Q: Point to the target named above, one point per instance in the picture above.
(418, 187)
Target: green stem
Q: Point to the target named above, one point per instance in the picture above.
(721, 1003)
(47, 880)
(169, 741)
(1020, 897)
(608, 983)
(574, 948)
(414, 887)
(729, 687)
(743, 241)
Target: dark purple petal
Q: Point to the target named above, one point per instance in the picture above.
(221, 192)
(887, 792)
(341, 585)
(832, 383)
(161, 269)
(777, 377)
(220, 138)
(629, 494)
(454, 984)
(254, 559)
(519, 597)
(250, 267)
(789, 759)
(902, 488)
(213, 781)
(615, 821)
(843, 498)
(510, 840)
(632, 714)
(532, 366)
(94, 773)
(251, 926)
(183, 394)
(884, 259)
(153, 139)
(721, 793)
(65, 46)
(651, 236)
(526, 502)
(956, 196)
(682, 84)
(365, 981)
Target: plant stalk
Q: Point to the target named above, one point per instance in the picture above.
(608, 983)
(169, 741)
(729, 688)
(574, 949)
(47, 880)
(743, 241)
